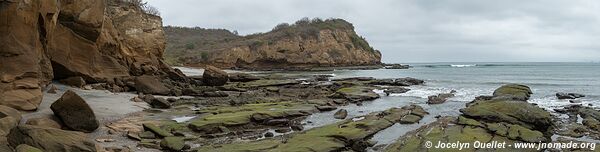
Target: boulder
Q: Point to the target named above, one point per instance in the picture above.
(75, 113)
(562, 95)
(160, 103)
(577, 95)
(214, 76)
(50, 139)
(395, 90)
(150, 85)
(78, 82)
(439, 99)
(269, 134)
(513, 92)
(44, 122)
(9, 118)
(341, 114)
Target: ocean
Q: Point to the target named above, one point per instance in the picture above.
(469, 80)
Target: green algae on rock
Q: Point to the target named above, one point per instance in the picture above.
(344, 135)
(513, 92)
(503, 118)
(357, 93)
(225, 116)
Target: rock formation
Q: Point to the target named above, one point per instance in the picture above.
(301, 46)
(44, 40)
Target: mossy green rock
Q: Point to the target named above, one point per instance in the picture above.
(241, 115)
(592, 123)
(337, 136)
(513, 112)
(26, 148)
(513, 92)
(470, 122)
(410, 119)
(447, 131)
(173, 143)
(517, 132)
(147, 135)
(357, 93)
(156, 130)
(334, 137)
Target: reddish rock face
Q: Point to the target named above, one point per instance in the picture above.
(97, 40)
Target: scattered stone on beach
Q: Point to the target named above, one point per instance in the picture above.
(75, 113)
(145, 135)
(160, 103)
(440, 98)
(51, 139)
(341, 114)
(77, 82)
(52, 89)
(150, 85)
(137, 99)
(44, 122)
(214, 76)
(562, 95)
(395, 90)
(269, 134)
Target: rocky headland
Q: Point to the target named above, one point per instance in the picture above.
(304, 45)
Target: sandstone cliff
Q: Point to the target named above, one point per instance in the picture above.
(303, 45)
(98, 40)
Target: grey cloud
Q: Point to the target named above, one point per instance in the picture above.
(423, 30)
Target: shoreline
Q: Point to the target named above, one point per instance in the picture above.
(130, 116)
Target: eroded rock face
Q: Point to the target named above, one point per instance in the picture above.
(50, 139)
(57, 39)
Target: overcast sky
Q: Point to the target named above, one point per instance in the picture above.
(423, 30)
